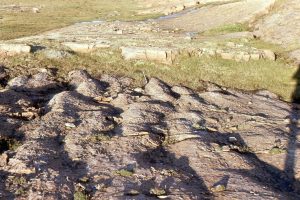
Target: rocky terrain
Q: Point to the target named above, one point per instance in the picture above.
(100, 137)
(163, 39)
(104, 139)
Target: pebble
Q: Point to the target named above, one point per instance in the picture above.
(70, 125)
(232, 139)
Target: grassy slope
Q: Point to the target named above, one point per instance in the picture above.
(227, 28)
(58, 13)
(274, 76)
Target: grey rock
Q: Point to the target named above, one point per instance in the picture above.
(84, 84)
(89, 141)
(40, 82)
(270, 55)
(182, 90)
(55, 54)
(159, 90)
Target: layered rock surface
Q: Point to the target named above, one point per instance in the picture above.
(104, 139)
(213, 16)
(282, 25)
(143, 41)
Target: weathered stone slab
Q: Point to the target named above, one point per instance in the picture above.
(11, 49)
(238, 53)
(268, 54)
(83, 47)
(162, 55)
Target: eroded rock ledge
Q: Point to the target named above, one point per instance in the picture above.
(102, 139)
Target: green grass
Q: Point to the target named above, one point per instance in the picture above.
(276, 150)
(124, 173)
(58, 13)
(228, 28)
(274, 76)
(79, 195)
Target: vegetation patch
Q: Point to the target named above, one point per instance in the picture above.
(275, 76)
(56, 13)
(228, 28)
(80, 195)
(99, 137)
(124, 173)
(276, 150)
(18, 184)
(9, 144)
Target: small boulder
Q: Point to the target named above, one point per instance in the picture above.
(227, 56)
(84, 84)
(55, 54)
(161, 55)
(268, 54)
(40, 82)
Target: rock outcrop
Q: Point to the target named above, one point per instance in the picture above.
(282, 25)
(12, 49)
(100, 138)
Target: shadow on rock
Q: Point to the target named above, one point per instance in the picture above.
(186, 181)
(263, 173)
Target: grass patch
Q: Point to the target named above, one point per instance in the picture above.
(79, 195)
(228, 28)
(57, 13)
(276, 150)
(274, 76)
(259, 44)
(20, 183)
(124, 173)
(9, 144)
(99, 138)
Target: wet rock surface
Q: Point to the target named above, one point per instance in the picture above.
(103, 139)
